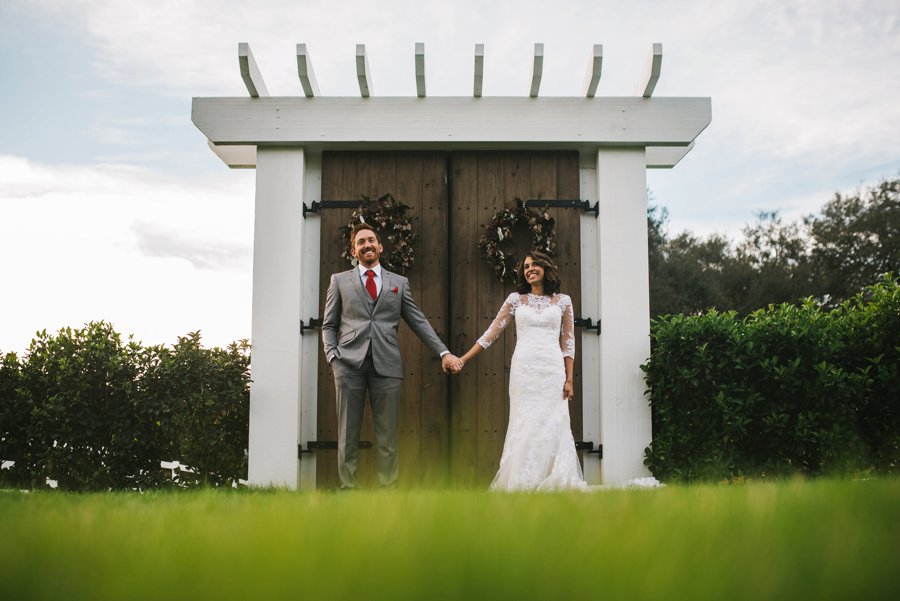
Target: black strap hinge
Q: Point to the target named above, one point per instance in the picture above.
(584, 205)
(587, 323)
(318, 205)
(314, 322)
(316, 445)
(587, 445)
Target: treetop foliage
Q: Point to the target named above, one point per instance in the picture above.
(831, 256)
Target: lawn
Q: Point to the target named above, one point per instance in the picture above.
(826, 539)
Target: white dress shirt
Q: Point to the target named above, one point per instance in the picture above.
(378, 279)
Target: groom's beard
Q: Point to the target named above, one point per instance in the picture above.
(369, 261)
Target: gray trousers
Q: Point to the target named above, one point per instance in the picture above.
(351, 386)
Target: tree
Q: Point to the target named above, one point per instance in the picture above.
(830, 257)
(855, 240)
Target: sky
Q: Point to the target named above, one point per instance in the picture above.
(113, 208)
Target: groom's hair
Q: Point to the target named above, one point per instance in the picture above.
(360, 227)
(551, 273)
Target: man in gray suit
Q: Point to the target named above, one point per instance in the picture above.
(363, 308)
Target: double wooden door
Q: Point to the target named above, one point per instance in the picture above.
(451, 428)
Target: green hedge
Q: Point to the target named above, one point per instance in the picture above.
(94, 412)
(788, 389)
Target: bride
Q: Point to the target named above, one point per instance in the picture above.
(539, 450)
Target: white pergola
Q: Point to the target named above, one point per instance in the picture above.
(283, 138)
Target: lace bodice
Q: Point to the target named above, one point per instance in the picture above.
(539, 304)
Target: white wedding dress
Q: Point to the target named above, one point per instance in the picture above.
(539, 450)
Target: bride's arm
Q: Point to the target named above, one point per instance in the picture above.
(567, 346)
(569, 387)
(493, 332)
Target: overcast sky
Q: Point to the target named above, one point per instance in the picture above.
(112, 206)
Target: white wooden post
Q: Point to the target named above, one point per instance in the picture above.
(275, 354)
(311, 343)
(624, 305)
(590, 308)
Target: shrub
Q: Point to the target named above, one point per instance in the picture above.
(89, 430)
(792, 388)
(94, 412)
(15, 423)
(206, 396)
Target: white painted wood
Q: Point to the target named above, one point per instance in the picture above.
(595, 66)
(537, 70)
(666, 157)
(256, 87)
(447, 122)
(590, 307)
(244, 157)
(306, 73)
(479, 70)
(651, 73)
(420, 69)
(310, 343)
(275, 336)
(624, 303)
(362, 71)
(236, 157)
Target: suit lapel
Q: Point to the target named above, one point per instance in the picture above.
(361, 291)
(386, 284)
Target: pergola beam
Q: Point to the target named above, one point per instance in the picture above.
(479, 70)
(595, 66)
(236, 157)
(306, 73)
(420, 69)
(362, 71)
(666, 157)
(250, 72)
(651, 72)
(537, 71)
(446, 122)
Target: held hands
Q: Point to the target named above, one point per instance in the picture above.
(451, 363)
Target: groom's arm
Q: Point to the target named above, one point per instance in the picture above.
(418, 323)
(331, 319)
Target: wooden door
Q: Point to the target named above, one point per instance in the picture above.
(451, 428)
(481, 184)
(419, 181)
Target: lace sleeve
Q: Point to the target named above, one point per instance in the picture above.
(567, 328)
(507, 313)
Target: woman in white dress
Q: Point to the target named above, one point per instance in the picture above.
(539, 450)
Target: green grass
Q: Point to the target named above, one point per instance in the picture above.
(791, 540)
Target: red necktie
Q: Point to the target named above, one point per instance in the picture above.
(370, 284)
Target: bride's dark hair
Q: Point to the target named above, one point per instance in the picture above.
(551, 274)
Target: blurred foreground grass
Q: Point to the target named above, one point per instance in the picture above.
(792, 540)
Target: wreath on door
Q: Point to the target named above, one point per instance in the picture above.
(388, 218)
(498, 233)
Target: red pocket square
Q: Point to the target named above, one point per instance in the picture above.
(395, 290)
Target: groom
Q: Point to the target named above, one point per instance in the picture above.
(363, 308)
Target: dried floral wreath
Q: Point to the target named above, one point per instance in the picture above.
(500, 230)
(388, 217)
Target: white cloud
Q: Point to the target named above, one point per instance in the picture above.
(155, 255)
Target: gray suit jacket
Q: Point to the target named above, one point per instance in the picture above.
(352, 322)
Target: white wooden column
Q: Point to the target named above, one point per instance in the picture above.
(590, 308)
(624, 306)
(275, 336)
(311, 343)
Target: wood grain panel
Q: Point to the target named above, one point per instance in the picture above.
(449, 426)
(466, 271)
(484, 182)
(417, 180)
